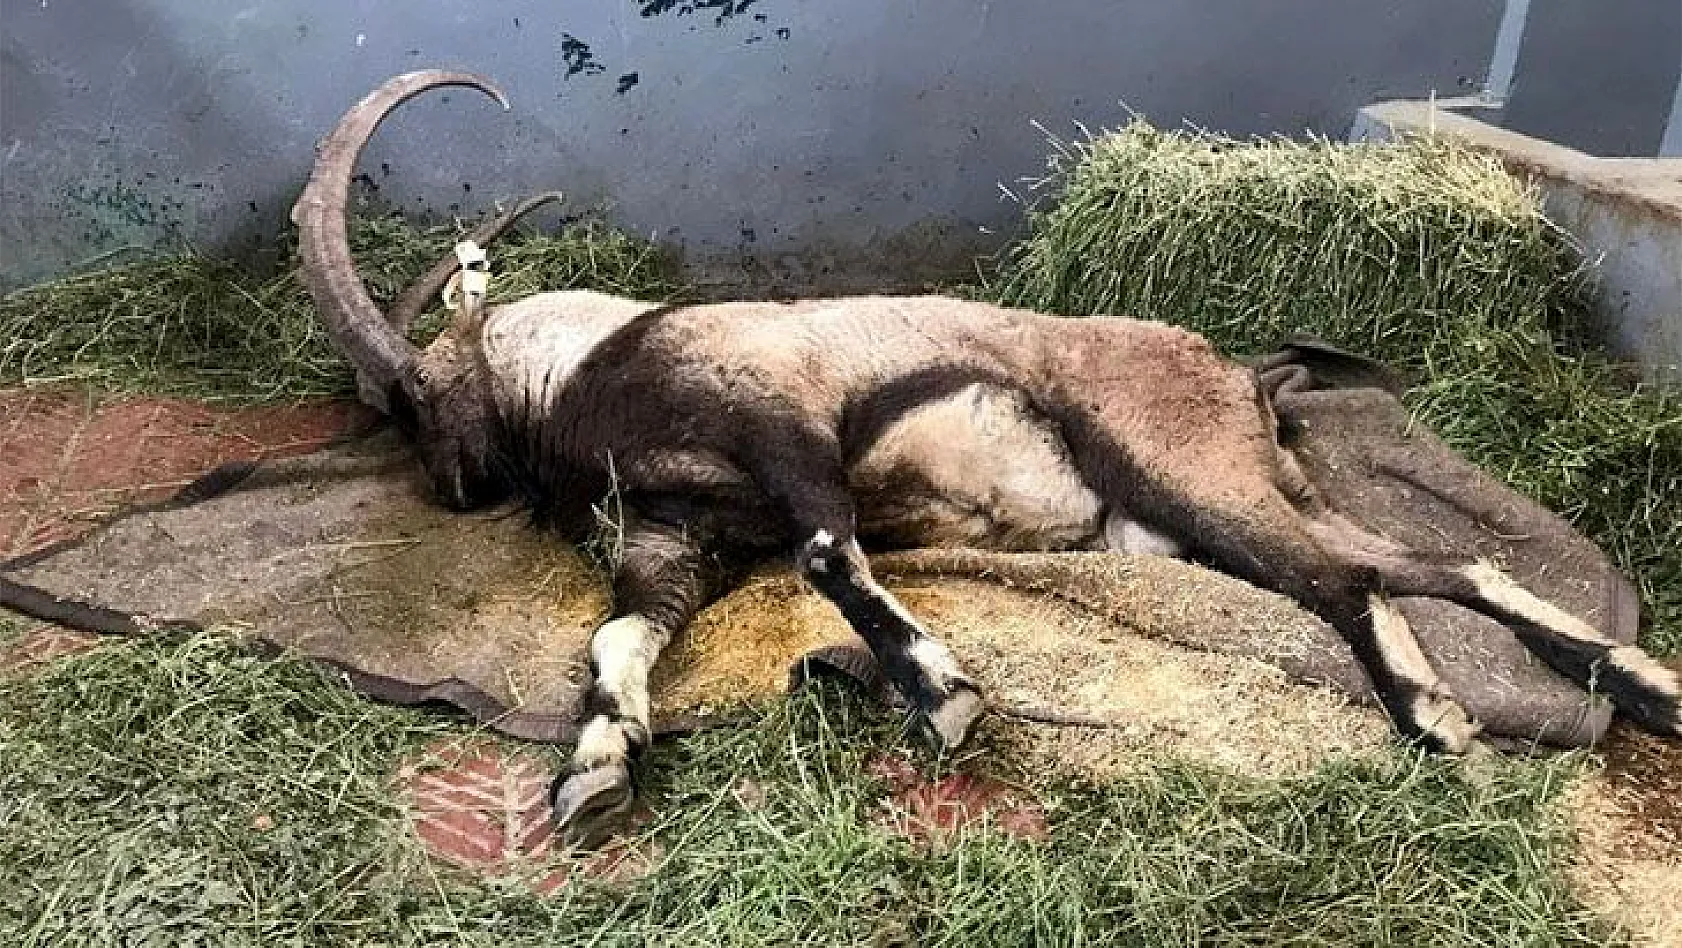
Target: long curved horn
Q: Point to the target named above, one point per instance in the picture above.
(409, 304)
(382, 357)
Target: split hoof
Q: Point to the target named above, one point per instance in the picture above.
(1439, 723)
(1454, 735)
(954, 719)
(591, 806)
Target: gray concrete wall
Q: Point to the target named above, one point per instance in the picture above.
(1599, 76)
(844, 142)
(838, 144)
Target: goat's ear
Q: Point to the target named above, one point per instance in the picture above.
(1334, 367)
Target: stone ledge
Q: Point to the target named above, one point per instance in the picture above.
(1626, 213)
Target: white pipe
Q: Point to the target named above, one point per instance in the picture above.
(1503, 61)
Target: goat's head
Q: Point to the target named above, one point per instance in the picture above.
(456, 424)
(442, 395)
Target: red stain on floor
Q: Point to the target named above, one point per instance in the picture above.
(935, 813)
(1644, 775)
(68, 456)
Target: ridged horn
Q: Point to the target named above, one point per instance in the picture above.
(409, 304)
(382, 357)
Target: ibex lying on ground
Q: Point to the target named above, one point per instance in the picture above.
(734, 431)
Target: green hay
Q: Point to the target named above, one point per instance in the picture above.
(1423, 254)
(200, 327)
(179, 792)
(133, 776)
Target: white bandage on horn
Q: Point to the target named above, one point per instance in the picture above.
(469, 284)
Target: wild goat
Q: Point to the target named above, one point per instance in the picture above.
(734, 431)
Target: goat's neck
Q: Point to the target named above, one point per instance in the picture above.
(532, 348)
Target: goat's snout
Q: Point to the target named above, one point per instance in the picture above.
(462, 473)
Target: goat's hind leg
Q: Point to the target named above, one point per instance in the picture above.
(1415, 696)
(662, 581)
(1206, 475)
(1275, 546)
(1642, 689)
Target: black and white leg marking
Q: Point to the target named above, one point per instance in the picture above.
(622, 653)
(800, 468)
(1418, 700)
(1643, 690)
(660, 583)
(919, 665)
(596, 794)
(1335, 579)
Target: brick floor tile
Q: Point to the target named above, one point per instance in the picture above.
(934, 813)
(67, 458)
(42, 644)
(485, 810)
(480, 808)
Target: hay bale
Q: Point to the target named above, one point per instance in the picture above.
(1389, 249)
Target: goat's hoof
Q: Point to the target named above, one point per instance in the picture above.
(1441, 724)
(953, 720)
(1453, 736)
(590, 806)
(1661, 717)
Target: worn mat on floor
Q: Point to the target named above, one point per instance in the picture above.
(339, 556)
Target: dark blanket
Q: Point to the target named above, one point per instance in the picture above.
(338, 556)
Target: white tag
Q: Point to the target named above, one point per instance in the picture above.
(472, 280)
(470, 253)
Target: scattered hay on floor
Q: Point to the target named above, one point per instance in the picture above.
(196, 326)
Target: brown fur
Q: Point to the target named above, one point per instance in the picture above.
(723, 433)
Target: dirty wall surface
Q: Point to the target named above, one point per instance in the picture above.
(771, 140)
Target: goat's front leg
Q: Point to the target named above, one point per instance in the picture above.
(802, 474)
(918, 664)
(663, 579)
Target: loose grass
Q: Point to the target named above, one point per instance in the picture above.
(135, 777)
(1423, 254)
(132, 779)
(196, 326)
